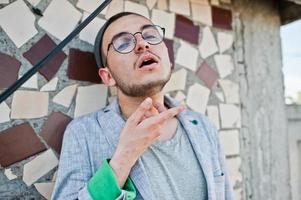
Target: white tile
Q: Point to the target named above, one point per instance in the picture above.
(60, 18)
(225, 41)
(137, 8)
(224, 65)
(34, 2)
(213, 115)
(54, 176)
(51, 85)
(187, 51)
(230, 116)
(45, 189)
(4, 1)
(220, 96)
(25, 106)
(89, 33)
(177, 81)
(231, 91)
(89, 6)
(214, 2)
(208, 44)
(197, 97)
(180, 96)
(203, 2)
(116, 6)
(32, 82)
(151, 3)
(180, 6)
(9, 174)
(230, 142)
(90, 99)
(166, 20)
(4, 112)
(201, 13)
(233, 165)
(18, 22)
(65, 96)
(162, 4)
(39, 166)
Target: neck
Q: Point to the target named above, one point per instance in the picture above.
(128, 105)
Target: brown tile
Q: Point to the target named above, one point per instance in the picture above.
(82, 66)
(169, 45)
(221, 18)
(9, 68)
(53, 130)
(207, 75)
(186, 30)
(18, 143)
(39, 51)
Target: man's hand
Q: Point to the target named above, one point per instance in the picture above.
(140, 131)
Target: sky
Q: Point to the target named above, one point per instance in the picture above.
(291, 52)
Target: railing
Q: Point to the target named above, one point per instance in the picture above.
(52, 53)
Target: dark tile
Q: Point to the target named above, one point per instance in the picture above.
(208, 75)
(53, 130)
(221, 18)
(82, 66)
(186, 30)
(9, 68)
(169, 45)
(18, 143)
(39, 51)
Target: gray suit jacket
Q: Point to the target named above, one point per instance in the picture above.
(90, 139)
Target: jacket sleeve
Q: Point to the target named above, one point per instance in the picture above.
(75, 179)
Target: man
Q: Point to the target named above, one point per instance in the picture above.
(143, 145)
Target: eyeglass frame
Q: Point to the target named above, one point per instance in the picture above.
(134, 35)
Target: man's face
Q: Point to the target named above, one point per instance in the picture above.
(145, 70)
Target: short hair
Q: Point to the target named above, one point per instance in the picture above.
(98, 52)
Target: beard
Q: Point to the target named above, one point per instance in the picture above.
(141, 90)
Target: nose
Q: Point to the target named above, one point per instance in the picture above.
(141, 44)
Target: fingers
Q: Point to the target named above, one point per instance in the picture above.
(159, 107)
(138, 115)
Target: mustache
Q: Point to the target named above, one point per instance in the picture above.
(149, 52)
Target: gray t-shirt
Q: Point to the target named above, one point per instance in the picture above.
(173, 169)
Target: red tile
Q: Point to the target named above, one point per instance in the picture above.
(9, 68)
(18, 143)
(39, 51)
(186, 30)
(82, 66)
(208, 75)
(221, 18)
(169, 45)
(53, 130)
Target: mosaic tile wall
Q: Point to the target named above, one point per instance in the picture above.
(32, 121)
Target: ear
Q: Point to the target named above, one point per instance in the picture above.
(106, 76)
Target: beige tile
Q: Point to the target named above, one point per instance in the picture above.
(225, 41)
(34, 2)
(230, 116)
(180, 96)
(233, 165)
(137, 8)
(116, 6)
(4, 112)
(65, 96)
(166, 20)
(213, 115)
(203, 2)
(230, 142)
(90, 99)
(197, 97)
(89, 33)
(60, 18)
(226, 1)
(201, 13)
(39, 166)
(45, 189)
(151, 3)
(187, 51)
(18, 22)
(224, 65)
(177, 81)
(220, 96)
(25, 106)
(162, 4)
(231, 91)
(208, 44)
(180, 6)
(89, 6)
(32, 82)
(51, 85)
(214, 2)
(9, 174)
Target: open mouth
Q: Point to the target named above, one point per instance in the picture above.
(147, 62)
